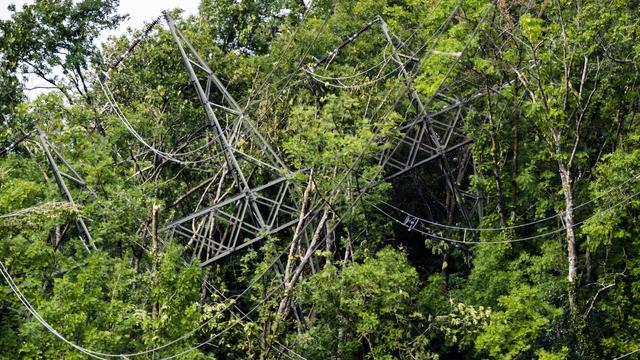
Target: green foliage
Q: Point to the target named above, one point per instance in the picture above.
(521, 318)
(560, 98)
(364, 308)
(60, 34)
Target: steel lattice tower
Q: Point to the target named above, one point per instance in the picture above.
(256, 208)
(425, 138)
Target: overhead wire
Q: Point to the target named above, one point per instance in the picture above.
(373, 183)
(316, 209)
(284, 51)
(4, 272)
(512, 227)
(307, 223)
(514, 240)
(35, 209)
(9, 280)
(385, 61)
(164, 155)
(155, 349)
(103, 355)
(209, 287)
(375, 134)
(253, 281)
(381, 63)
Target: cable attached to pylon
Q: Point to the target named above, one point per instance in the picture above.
(431, 234)
(100, 355)
(510, 227)
(9, 280)
(171, 157)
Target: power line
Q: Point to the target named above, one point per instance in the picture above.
(209, 287)
(511, 227)
(38, 209)
(5, 274)
(98, 355)
(101, 355)
(164, 155)
(563, 228)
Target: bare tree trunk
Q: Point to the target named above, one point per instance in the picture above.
(299, 229)
(572, 256)
(154, 253)
(58, 237)
(292, 279)
(514, 169)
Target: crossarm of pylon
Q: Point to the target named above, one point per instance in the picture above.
(221, 204)
(261, 236)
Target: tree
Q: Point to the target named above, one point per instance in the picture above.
(54, 40)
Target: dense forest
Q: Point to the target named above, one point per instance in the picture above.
(348, 179)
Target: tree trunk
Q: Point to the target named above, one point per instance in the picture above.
(292, 279)
(572, 256)
(154, 253)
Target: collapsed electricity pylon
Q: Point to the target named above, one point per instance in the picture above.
(423, 138)
(48, 148)
(244, 209)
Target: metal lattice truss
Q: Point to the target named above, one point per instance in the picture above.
(423, 138)
(252, 196)
(53, 156)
